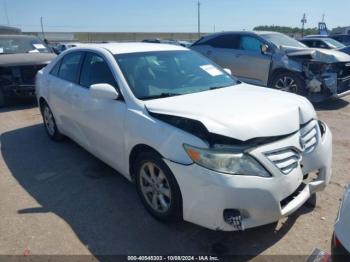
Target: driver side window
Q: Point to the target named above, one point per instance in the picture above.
(250, 43)
(95, 70)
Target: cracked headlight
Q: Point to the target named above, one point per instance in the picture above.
(226, 162)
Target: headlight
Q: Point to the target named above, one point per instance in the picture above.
(226, 162)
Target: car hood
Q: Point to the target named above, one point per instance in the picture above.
(242, 112)
(26, 59)
(320, 55)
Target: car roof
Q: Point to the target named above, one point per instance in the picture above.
(133, 47)
(315, 38)
(252, 33)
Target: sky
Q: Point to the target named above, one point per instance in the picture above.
(168, 15)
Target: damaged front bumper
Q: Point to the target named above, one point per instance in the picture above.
(327, 80)
(210, 198)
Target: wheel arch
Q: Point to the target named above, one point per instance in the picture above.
(279, 70)
(135, 152)
(42, 101)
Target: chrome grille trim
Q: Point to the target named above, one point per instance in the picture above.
(285, 159)
(308, 137)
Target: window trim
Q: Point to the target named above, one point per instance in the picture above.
(59, 66)
(120, 98)
(109, 67)
(61, 60)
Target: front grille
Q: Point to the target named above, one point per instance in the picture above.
(308, 137)
(285, 159)
(28, 73)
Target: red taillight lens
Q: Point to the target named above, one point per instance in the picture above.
(336, 241)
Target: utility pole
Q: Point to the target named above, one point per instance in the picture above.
(6, 13)
(42, 27)
(199, 19)
(303, 22)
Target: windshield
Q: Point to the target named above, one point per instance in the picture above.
(333, 43)
(283, 40)
(168, 73)
(20, 44)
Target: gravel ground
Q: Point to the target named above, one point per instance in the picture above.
(56, 198)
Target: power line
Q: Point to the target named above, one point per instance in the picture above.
(199, 19)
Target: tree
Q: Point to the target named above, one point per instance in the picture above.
(286, 29)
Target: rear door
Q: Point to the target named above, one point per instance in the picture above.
(64, 77)
(224, 51)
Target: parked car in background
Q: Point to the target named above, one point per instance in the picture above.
(341, 236)
(345, 50)
(184, 43)
(322, 42)
(168, 41)
(20, 58)
(198, 144)
(278, 61)
(344, 39)
(59, 48)
(160, 41)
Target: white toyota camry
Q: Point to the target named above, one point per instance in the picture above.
(198, 144)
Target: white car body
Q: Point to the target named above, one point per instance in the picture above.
(342, 225)
(112, 129)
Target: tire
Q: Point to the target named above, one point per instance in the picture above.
(50, 123)
(2, 98)
(289, 82)
(160, 185)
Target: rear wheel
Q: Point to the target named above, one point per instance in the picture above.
(157, 187)
(50, 123)
(289, 82)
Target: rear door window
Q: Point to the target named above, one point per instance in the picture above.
(225, 41)
(69, 69)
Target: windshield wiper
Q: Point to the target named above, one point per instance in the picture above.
(161, 95)
(218, 87)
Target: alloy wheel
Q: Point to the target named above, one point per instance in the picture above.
(49, 121)
(155, 187)
(286, 83)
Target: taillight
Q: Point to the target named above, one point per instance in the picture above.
(336, 242)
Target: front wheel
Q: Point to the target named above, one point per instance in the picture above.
(157, 187)
(50, 123)
(289, 82)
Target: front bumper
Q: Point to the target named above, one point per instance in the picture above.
(19, 91)
(343, 88)
(206, 194)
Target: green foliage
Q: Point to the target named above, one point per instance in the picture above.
(286, 29)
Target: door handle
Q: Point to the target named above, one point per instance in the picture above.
(209, 52)
(238, 55)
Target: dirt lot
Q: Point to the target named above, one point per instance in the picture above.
(55, 198)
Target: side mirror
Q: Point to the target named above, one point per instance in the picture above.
(228, 70)
(264, 49)
(104, 91)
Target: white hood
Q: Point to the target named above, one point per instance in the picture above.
(242, 112)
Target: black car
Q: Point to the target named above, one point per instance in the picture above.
(21, 57)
